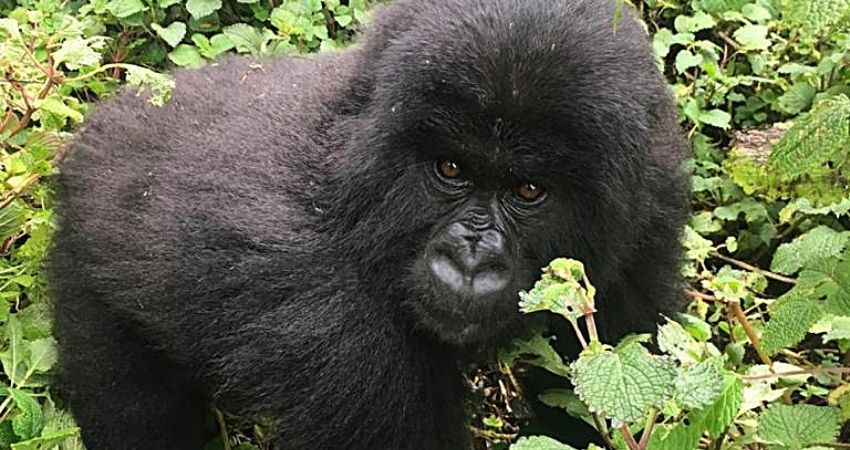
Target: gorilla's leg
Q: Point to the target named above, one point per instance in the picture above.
(123, 395)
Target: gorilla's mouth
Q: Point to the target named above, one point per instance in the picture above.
(462, 307)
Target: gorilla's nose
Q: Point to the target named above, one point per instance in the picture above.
(471, 261)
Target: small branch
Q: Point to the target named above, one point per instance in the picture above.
(492, 435)
(701, 296)
(812, 371)
(729, 40)
(630, 440)
(752, 268)
(222, 428)
(14, 193)
(751, 333)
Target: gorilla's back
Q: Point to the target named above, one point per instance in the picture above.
(154, 203)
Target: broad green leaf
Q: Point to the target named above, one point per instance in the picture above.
(186, 55)
(212, 47)
(822, 135)
(16, 352)
(789, 322)
(78, 52)
(569, 401)
(685, 60)
(623, 384)
(28, 421)
(691, 24)
(125, 8)
(172, 34)
(799, 426)
(699, 386)
(756, 13)
(55, 105)
(714, 419)
(816, 245)
(752, 37)
(827, 281)
(47, 440)
(539, 443)
(677, 437)
(202, 8)
(798, 98)
(715, 117)
(536, 351)
(42, 355)
(245, 38)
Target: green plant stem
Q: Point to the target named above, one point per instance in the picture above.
(630, 440)
(604, 432)
(647, 430)
(100, 69)
(812, 371)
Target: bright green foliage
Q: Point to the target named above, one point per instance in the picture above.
(720, 415)
(799, 426)
(821, 137)
(535, 351)
(815, 17)
(699, 386)
(790, 320)
(676, 437)
(815, 246)
(539, 443)
(622, 383)
(562, 290)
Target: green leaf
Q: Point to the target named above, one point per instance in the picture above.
(536, 351)
(699, 386)
(789, 322)
(125, 8)
(47, 440)
(816, 245)
(43, 355)
(837, 328)
(79, 52)
(685, 60)
(166, 3)
(756, 13)
(826, 281)
(715, 418)
(715, 117)
(568, 401)
(677, 437)
(799, 426)
(752, 37)
(172, 34)
(691, 24)
(28, 421)
(212, 47)
(202, 8)
(539, 443)
(161, 85)
(54, 104)
(16, 352)
(623, 384)
(821, 136)
(797, 98)
(245, 38)
(186, 55)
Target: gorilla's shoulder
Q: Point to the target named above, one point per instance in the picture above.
(235, 103)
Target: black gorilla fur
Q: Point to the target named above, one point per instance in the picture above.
(258, 241)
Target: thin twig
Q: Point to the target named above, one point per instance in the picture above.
(222, 428)
(751, 333)
(647, 430)
(752, 268)
(812, 371)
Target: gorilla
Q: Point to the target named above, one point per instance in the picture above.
(322, 240)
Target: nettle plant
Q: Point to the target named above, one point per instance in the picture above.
(690, 395)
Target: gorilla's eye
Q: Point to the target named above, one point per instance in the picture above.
(448, 168)
(529, 191)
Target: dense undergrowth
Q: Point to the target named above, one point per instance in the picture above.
(761, 359)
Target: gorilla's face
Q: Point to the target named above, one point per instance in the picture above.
(467, 273)
(486, 150)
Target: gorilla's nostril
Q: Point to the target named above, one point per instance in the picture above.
(446, 271)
